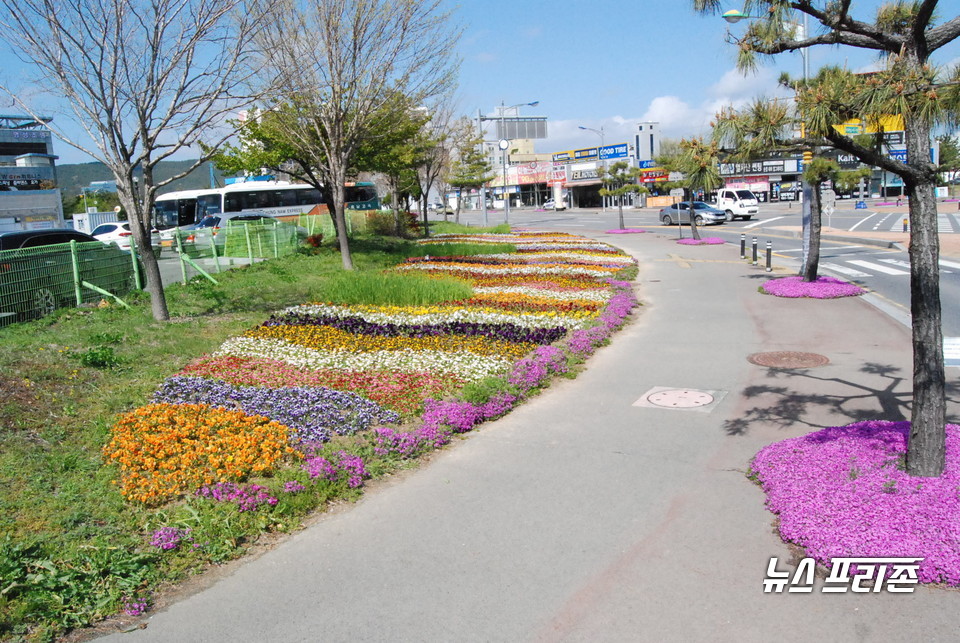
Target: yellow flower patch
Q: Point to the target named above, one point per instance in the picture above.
(166, 450)
(330, 338)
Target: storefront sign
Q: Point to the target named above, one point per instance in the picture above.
(898, 155)
(618, 151)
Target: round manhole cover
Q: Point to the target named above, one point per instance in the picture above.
(680, 399)
(788, 359)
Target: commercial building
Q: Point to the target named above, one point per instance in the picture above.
(29, 198)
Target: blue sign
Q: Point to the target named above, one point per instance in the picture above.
(645, 164)
(898, 155)
(618, 151)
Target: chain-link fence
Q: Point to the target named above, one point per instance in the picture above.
(37, 281)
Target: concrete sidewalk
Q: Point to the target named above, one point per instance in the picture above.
(583, 516)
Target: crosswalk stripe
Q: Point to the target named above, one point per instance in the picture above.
(949, 264)
(878, 268)
(843, 270)
(898, 263)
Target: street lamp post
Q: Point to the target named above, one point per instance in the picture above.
(603, 201)
(734, 16)
(504, 144)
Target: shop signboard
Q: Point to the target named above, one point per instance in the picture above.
(533, 172)
(618, 151)
(898, 155)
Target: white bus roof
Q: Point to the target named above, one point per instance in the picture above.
(180, 194)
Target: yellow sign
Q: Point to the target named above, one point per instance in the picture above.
(853, 127)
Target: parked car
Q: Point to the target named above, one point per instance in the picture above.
(119, 232)
(550, 204)
(37, 273)
(442, 208)
(680, 213)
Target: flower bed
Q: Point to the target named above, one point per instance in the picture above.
(314, 373)
(821, 288)
(839, 492)
(702, 241)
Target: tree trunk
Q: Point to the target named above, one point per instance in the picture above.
(694, 231)
(926, 445)
(339, 196)
(812, 266)
(620, 208)
(139, 217)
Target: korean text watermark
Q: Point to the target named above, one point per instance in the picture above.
(859, 575)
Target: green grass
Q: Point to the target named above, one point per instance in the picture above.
(72, 548)
(447, 227)
(409, 289)
(66, 377)
(459, 249)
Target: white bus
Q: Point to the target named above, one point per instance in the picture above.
(176, 209)
(270, 198)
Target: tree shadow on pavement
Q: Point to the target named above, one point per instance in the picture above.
(792, 407)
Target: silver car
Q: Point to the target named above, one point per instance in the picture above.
(704, 213)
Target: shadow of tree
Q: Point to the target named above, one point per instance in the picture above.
(792, 406)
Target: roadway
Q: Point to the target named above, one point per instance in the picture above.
(861, 245)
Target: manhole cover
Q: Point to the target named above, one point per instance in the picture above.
(788, 359)
(680, 398)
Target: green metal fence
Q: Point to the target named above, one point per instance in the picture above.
(37, 281)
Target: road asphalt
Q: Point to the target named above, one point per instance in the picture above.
(591, 514)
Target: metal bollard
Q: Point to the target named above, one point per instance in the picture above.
(906, 222)
(769, 256)
(743, 246)
(754, 251)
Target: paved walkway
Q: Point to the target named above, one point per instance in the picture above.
(584, 517)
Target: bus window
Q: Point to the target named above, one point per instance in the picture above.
(208, 204)
(361, 197)
(309, 196)
(165, 214)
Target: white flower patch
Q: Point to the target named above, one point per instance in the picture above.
(561, 257)
(512, 270)
(463, 364)
(412, 315)
(600, 296)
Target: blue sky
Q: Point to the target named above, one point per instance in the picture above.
(611, 64)
(616, 63)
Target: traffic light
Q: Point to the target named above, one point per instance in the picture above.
(807, 157)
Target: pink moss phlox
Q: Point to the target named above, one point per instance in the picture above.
(461, 417)
(408, 444)
(245, 497)
(703, 241)
(531, 372)
(346, 467)
(821, 288)
(839, 492)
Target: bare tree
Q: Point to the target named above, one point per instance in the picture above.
(144, 79)
(339, 61)
(435, 162)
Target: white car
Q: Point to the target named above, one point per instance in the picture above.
(550, 204)
(119, 233)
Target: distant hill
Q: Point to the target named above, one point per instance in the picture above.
(72, 177)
